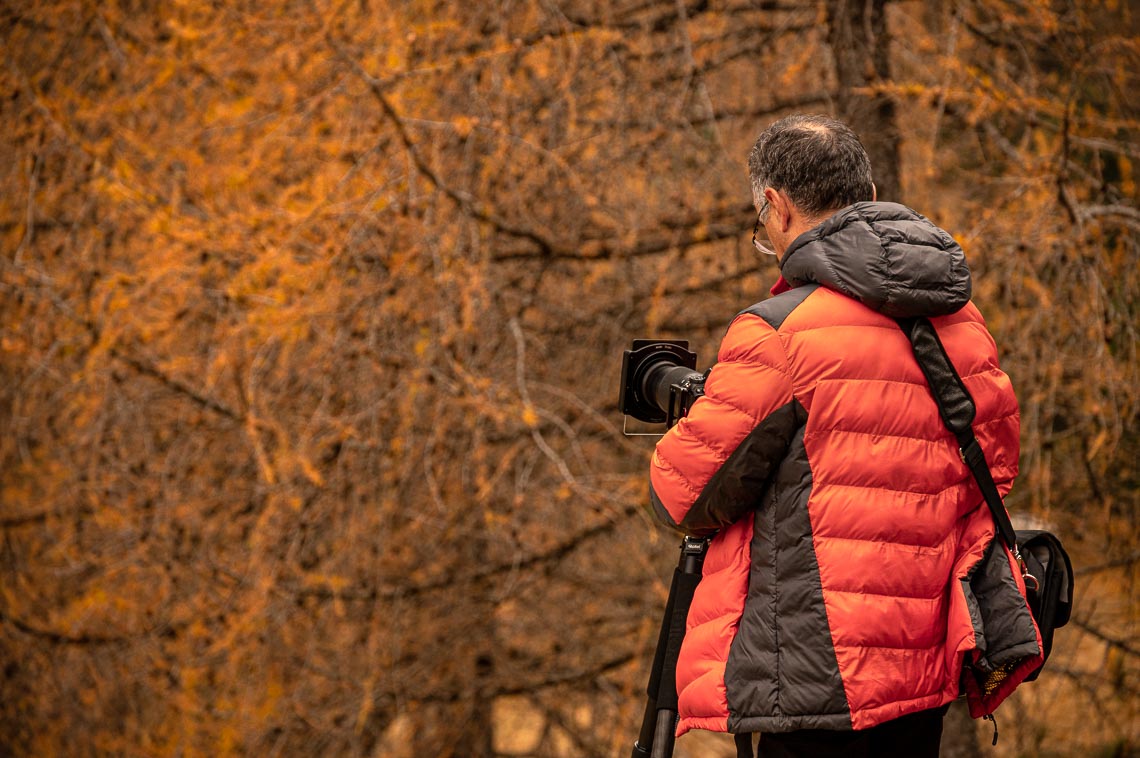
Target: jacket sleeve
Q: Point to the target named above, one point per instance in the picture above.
(714, 465)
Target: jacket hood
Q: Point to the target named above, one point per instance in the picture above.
(887, 257)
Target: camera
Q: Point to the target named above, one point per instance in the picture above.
(659, 381)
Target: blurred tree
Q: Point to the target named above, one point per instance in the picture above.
(860, 41)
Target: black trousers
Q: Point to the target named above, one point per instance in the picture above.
(914, 736)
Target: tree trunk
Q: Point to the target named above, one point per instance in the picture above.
(860, 43)
(476, 735)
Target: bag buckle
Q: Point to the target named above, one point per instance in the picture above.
(1025, 575)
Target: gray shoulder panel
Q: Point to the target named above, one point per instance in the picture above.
(775, 310)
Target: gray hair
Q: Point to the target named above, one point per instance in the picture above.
(818, 162)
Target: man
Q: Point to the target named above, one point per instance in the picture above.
(854, 584)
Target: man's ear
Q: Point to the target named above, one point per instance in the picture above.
(779, 210)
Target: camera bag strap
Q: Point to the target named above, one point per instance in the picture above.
(1044, 563)
(957, 409)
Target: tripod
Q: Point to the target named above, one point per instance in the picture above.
(659, 724)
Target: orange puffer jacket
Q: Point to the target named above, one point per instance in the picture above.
(854, 574)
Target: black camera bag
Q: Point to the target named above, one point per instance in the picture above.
(1052, 599)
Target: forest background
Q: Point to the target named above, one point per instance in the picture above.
(311, 318)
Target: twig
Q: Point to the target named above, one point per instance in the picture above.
(1121, 645)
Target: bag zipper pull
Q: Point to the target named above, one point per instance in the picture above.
(990, 717)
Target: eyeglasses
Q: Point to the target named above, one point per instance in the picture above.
(760, 246)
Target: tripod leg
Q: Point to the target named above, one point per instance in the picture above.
(646, 738)
(665, 736)
(644, 743)
(658, 725)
